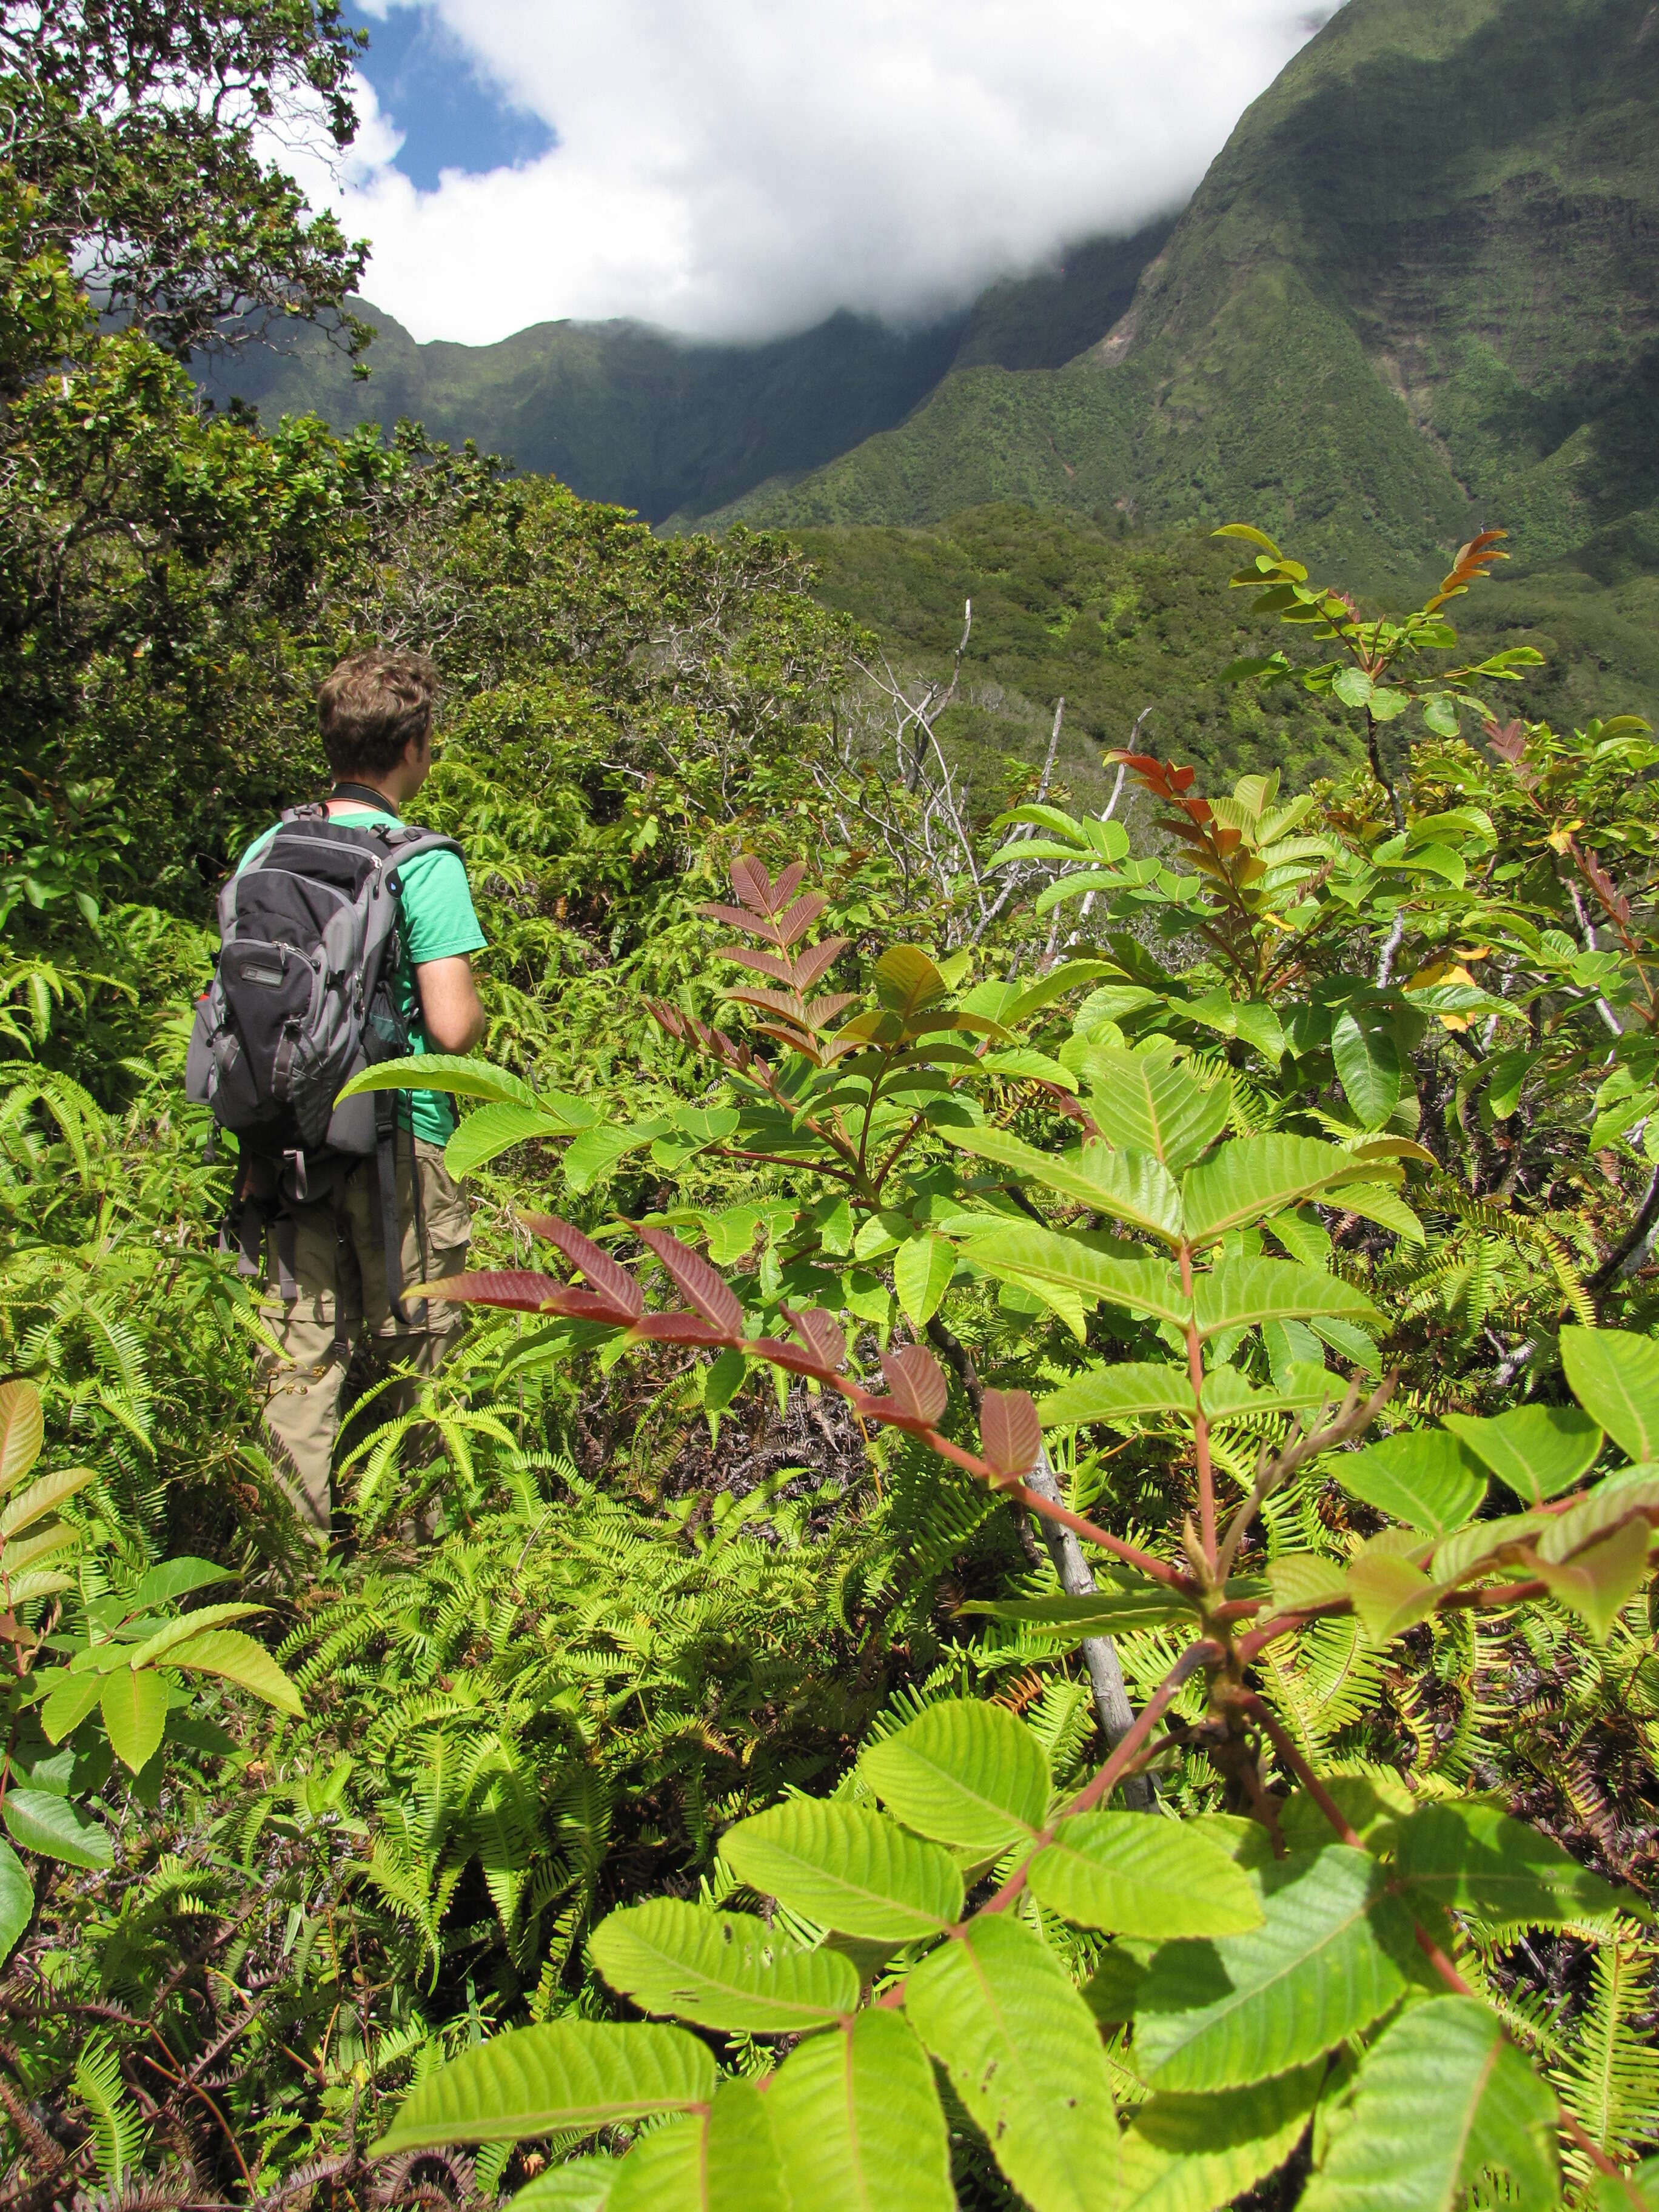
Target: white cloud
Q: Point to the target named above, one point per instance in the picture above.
(739, 169)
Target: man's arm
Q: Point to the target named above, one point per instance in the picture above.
(451, 1014)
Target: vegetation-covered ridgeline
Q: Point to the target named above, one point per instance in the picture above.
(1411, 293)
(1039, 1587)
(672, 426)
(1115, 621)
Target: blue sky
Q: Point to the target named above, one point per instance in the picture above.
(738, 169)
(429, 87)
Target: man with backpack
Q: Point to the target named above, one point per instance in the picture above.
(346, 938)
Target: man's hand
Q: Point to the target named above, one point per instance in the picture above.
(450, 1012)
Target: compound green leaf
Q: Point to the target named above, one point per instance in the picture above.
(458, 1073)
(1538, 1451)
(725, 2160)
(858, 2122)
(1367, 1063)
(1440, 2096)
(43, 1497)
(597, 1151)
(187, 1626)
(972, 1775)
(1142, 1102)
(135, 1708)
(57, 1830)
(1055, 984)
(1192, 2154)
(1255, 1176)
(1615, 2196)
(1126, 1392)
(1131, 1185)
(721, 1970)
(22, 1431)
(16, 1899)
(1630, 1490)
(1483, 1541)
(1597, 1584)
(575, 2073)
(1381, 1202)
(1136, 1876)
(1248, 1293)
(1614, 1375)
(1388, 1593)
(237, 1658)
(582, 2185)
(1474, 1858)
(1214, 2015)
(1067, 1620)
(907, 979)
(69, 1699)
(1144, 1287)
(847, 1867)
(1024, 2054)
(1424, 1477)
(1253, 1020)
(1304, 1578)
(922, 1268)
(495, 1129)
(177, 1577)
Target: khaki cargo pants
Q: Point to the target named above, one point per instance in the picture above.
(305, 1385)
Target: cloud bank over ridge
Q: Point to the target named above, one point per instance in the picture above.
(738, 169)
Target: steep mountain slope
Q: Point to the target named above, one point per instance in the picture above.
(623, 413)
(1418, 290)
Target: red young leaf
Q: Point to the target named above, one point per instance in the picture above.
(751, 882)
(668, 1017)
(771, 1002)
(676, 1328)
(812, 963)
(764, 963)
(1507, 739)
(794, 925)
(915, 1377)
(1604, 887)
(1179, 778)
(608, 1276)
(1010, 1436)
(577, 1304)
(518, 1288)
(821, 1333)
(786, 885)
(823, 1011)
(736, 919)
(783, 1353)
(796, 1040)
(698, 1281)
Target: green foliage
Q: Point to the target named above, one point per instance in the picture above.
(1062, 1533)
(1245, 1950)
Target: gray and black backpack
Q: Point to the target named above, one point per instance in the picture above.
(302, 998)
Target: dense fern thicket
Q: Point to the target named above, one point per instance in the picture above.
(722, 1629)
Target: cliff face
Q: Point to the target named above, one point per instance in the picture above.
(621, 412)
(1418, 290)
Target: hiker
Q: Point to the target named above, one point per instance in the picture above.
(347, 938)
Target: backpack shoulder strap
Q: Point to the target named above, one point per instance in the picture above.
(409, 844)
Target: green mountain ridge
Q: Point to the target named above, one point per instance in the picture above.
(672, 428)
(1415, 294)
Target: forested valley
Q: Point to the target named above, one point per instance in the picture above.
(1032, 1584)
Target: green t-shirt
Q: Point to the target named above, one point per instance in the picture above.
(438, 922)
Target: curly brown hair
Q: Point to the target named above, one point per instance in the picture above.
(370, 707)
